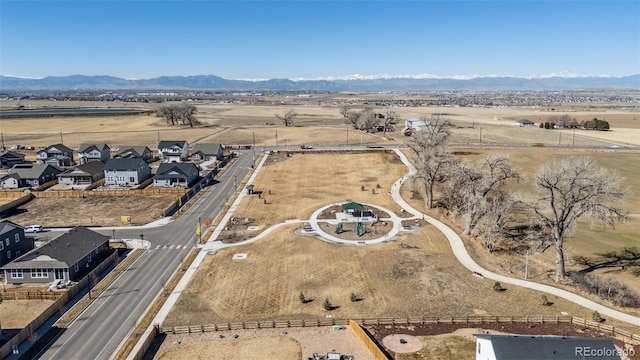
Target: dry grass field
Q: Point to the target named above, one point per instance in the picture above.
(392, 280)
(304, 183)
(443, 347)
(92, 210)
(319, 123)
(588, 240)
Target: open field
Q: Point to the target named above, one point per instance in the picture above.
(319, 124)
(298, 189)
(421, 279)
(89, 211)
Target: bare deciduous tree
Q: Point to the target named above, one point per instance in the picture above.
(176, 113)
(287, 118)
(474, 186)
(430, 156)
(368, 120)
(492, 226)
(345, 110)
(390, 120)
(571, 188)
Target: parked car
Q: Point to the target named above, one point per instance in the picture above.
(33, 229)
(306, 147)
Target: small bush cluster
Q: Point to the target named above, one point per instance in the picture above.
(607, 288)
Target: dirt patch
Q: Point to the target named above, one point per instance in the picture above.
(402, 343)
(90, 211)
(290, 343)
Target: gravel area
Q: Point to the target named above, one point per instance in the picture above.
(311, 340)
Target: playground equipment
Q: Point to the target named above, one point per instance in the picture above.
(339, 228)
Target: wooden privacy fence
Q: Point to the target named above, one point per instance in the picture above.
(367, 341)
(464, 320)
(57, 306)
(29, 295)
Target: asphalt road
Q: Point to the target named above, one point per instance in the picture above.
(100, 330)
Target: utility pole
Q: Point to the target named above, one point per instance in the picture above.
(347, 136)
(526, 265)
(480, 134)
(61, 141)
(573, 142)
(276, 139)
(559, 138)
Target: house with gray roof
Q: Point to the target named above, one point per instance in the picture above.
(82, 175)
(536, 347)
(57, 154)
(204, 152)
(13, 242)
(172, 175)
(93, 152)
(10, 158)
(29, 175)
(173, 151)
(67, 257)
(126, 152)
(129, 172)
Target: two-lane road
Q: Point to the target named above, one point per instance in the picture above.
(99, 331)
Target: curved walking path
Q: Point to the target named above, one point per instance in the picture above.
(457, 246)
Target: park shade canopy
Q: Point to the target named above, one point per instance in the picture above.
(352, 206)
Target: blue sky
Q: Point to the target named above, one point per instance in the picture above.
(318, 39)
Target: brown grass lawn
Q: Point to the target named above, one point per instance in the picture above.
(92, 210)
(305, 182)
(16, 314)
(443, 347)
(392, 281)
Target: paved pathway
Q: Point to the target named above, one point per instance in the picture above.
(457, 246)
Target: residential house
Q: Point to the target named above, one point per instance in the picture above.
(128, 172)
(10, 158)
(173, 151)
(93, 152)
(204, 152)
(82, 175)
(13, 242)
(67, 257)
(29, 175)
(520, 347)
(170, 175)
(58, 155)
(142, 152)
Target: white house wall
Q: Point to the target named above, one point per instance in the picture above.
(484, 350)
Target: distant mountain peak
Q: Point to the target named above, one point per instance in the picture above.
(565, 80)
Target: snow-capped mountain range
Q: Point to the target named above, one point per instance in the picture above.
(355, 82)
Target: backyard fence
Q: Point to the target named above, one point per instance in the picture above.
(368, 341)
(58, 305)
(407, 321)
(29, 295)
